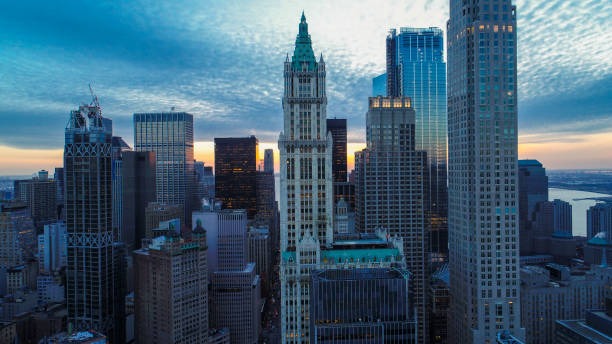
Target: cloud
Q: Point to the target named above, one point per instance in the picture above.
(222, 61)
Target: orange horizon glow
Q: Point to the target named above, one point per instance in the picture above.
(570, 152)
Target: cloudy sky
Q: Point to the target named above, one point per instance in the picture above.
(222, 61)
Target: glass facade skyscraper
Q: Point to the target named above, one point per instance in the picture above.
(236, 160)
(416, 69)
(483, 171)
(170, 136)
(95, 274)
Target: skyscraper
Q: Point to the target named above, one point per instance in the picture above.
(40, 194)
(379, 85)
(483, 183)
(533, 189)
(420, 74)
(235, 286)
(170, 136)
(269, 161)
(391, 190)
(94, 280)
(138, 190)
(337, 128)
(236, 160)
(52, 247)
(17, 234)
(171, 290)
(118, 146)
(599, 219)
(306, 173)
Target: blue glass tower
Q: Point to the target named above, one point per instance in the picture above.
(416, 69)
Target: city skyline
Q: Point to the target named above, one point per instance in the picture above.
(564, 117)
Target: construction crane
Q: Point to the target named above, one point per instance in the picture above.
(94, 98)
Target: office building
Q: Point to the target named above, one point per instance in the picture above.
(118, 147)
(235, 301)
(337, 128)
(599, 219)
(533, 189)
(347, 252)
(361, 306)
(138, 190)
(439, 305)
(170, 136)
(52, 250)
(306, 205)
(345, 191)
(17, 234)
(40, 194)
(156, 212)
(236, 160)
(94, 273)
(594, 328)
(205, 181)
(266, 195)
(269, 161)
(556, 292)
(391, 190)
(483, 170)
(379, 85)
(8, 332)
(416, 69)
(59, 182)
(171, 290)
(260, 251)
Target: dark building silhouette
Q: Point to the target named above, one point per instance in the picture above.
(138, 189)
(361, 306)
(95, 274)
(337, 127)
(236, 160)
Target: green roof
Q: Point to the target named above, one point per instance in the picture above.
(356, 254)
(303, 48)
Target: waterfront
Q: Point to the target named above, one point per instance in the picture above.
(580, 201)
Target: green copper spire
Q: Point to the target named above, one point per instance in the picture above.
(303, 48)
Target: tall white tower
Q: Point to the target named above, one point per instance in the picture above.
(482, 172)
(305, 183)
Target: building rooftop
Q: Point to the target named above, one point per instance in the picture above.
(584, 330)
(360, 274)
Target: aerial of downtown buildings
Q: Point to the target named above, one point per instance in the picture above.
(439, 234)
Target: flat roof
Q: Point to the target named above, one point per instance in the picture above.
(581, 328)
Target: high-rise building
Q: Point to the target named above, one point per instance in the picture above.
(483, 171)
(439, 305)
(236, 160)
(391, 190)
(138, 190)
(118, 146)
(17, 234)
(170, 136)
(94, 274)
(599, 219)
(549, 219)
(269, 161)
(419, 73)
(533, 189)
(171, 290)
(379, 85)
(337, 128)
(235, 287)
(555, 292)
(361, 306)
(205, 181)
(58, 176)
(259, 245)
(52, 249)
(306, 204)
(156, 212)
(40, 194)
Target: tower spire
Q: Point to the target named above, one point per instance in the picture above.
(303, 52)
